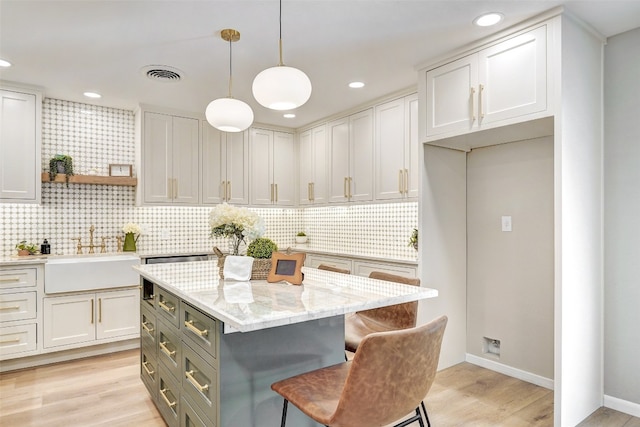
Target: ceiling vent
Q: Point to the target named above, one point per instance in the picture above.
(162, 73)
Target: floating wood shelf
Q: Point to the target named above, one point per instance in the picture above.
(92, 179)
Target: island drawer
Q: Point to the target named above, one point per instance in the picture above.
(189, 416)
(168, 401)
(199, 381)
(149, 370)
(168, 306)
(199, 327)
(17, 306)
(169, 348)
(18, 278)
(148, 328)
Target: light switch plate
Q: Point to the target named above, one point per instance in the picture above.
(506, 223)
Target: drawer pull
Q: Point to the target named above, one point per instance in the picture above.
(146, 328)
(9, 279)
(163, 347)
(165, 307)
(196, 384)
(164, 396)
(149, 371)
(15, 340)
(13, 307)
(189, 324)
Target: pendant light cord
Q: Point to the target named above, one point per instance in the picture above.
(280, 43)
(230, 69)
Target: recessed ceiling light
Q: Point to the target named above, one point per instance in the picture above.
(94, 95)
(488, 19)
(356, 85)
(289, 115)
(4, 63)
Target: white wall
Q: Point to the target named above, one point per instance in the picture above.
(510, 275)
(622, 222)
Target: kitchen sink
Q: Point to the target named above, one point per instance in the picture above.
(86, 273)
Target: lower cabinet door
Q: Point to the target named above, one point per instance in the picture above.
(168, 401)
(69, 320)
(190, 417)
(15, 340)
(149, 370)
(118, 313)
(199, 381)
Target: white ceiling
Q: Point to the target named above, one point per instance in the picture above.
(68, 47)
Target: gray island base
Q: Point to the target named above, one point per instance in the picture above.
(210, 349)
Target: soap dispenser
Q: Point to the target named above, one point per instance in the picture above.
(45, 248)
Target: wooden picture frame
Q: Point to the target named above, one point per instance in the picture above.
(119, 169)
(287, 267)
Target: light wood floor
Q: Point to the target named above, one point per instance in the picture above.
(107, 391)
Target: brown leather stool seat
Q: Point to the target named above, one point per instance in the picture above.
(387, 379)
(399, 316)
(334, 269)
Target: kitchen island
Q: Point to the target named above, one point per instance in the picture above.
(210, 348)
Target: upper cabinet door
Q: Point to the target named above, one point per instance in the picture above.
(412, 155)
(214, 184)
(157, 158)
(451, 96)
(305, 168)
(338, 131)
(390, 148)
(20, 147)
(237, 167)
(261, 160)
(284, 166)
(185, 152)
(513, 77)
(360, 183)
(319, 162)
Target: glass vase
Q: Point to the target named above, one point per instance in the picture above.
(129, 243)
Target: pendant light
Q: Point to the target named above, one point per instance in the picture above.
(229, 114)
(281, 87)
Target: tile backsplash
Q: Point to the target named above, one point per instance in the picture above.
(97, 136)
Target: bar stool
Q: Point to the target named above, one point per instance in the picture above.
(334, 269)
(388, 378)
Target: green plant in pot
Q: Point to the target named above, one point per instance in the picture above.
(60, 163)
(413, 240)
(25, 248)
(301, 237)
(261, 247)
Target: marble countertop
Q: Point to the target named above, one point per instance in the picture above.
(255, 305)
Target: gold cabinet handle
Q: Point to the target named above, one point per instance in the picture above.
(9, 279)
(276, 193)
(169, 189)
(309, 191)
(481, 114)
(223, 184)
(313, 191)
(92, 311)
(175, 188)
(163, 347)
(406, 181)
(228, 190)
(13, 307)
(15, 340)
(271, 197)
(189, 324)
(473, 104)
(165, 307)
(149, 371)
(349, 187)
(99, 310)
(344, 187)
(400, 181)
(146, 328)
(164, 396)
(195, 383)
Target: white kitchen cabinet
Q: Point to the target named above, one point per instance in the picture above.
(351, 158)
(88, 318)
(170, 159)
(364, 268)
(501, 84)
(313, 261)
(20, 142)
(272, 167)
(312, 165)
(396, 149)
(225, 166)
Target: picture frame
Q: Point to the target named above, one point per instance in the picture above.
(287, 267)
(121, 169)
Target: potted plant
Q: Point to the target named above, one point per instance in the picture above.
(261, 249)
(301, 237)
(25, 248)
(60, 163)
(413, 240)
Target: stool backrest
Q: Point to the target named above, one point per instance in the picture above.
(399, 316)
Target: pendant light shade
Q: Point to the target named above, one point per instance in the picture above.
(281, 87)
(229, 114)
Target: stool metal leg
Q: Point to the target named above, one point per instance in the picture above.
(284, 413)
(424, 408)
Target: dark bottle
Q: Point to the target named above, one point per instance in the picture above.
(45, 248)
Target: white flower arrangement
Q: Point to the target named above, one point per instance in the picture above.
(235, 222)
(131, 228)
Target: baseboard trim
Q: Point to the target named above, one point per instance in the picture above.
(625, 406)
(512, 372)
(64, 355)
